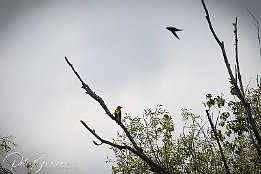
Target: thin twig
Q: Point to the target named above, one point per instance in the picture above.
(218, 142)
(258, 31)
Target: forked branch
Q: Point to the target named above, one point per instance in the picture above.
(136, 150)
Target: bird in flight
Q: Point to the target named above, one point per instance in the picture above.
(173, 30)
(117, 114)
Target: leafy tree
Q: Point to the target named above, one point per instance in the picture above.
(154, 134)
(195, 150)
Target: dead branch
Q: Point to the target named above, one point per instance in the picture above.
(258, 31)
(136, 150)
(237, 68)
(239, 94)
(105, 141)
(102, 103)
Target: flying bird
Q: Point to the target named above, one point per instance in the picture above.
(117, 114)
(173, 30)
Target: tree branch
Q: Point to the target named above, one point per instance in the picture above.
(238, 74)
(153, 165)
(258, 81)
(258, 31)
(222, 47)
(105, 141)
(102, 103)
(241, 97)
(136, 150)
(218, 142)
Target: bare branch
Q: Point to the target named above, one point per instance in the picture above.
(90, 92)
(238, 74)
(258, 31)
(105, 141)
(136, 150)
(102, 103)
(153, 165)
(97, 144)
(222, 46)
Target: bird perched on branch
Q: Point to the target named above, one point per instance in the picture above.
(117, 114)
(173, 30)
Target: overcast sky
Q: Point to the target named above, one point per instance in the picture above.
(124, 53)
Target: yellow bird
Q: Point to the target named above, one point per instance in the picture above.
(117, 114)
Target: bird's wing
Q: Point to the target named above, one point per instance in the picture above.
(178, 29)
(175, 34)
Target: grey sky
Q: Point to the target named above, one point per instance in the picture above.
(123, 51)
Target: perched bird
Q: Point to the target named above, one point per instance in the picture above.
(117, 114)
(173, 30)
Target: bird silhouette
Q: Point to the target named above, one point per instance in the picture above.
(173, 30)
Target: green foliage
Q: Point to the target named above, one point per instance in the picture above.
(254, 98)
(235, 134)
(153, 132)
(195, 150)
(6, 145)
